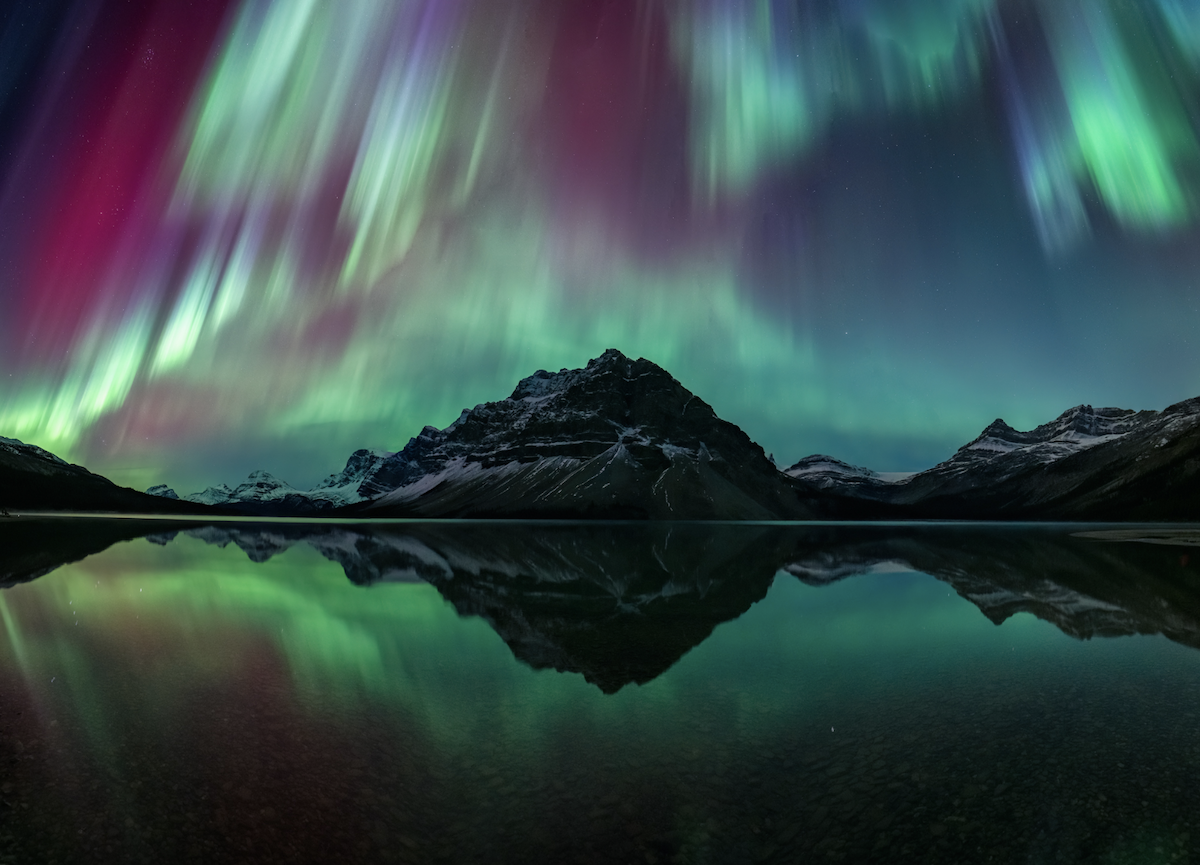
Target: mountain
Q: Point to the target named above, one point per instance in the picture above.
(35, 479)
(851, 492)
(1144, 470)
(1087, 464)
(618, 439)
(1001, 454)
(826, 472)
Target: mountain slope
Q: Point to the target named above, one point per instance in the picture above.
(1149, 472)
(1001, 453)
(34, 479)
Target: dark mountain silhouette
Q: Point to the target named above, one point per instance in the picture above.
(1088, 464)
(36, 480)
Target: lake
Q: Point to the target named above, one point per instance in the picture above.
(515, 692)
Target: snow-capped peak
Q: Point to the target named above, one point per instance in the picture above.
(358, 466)
(820, 464)
(265, 479)
(221, 494)
(543, 384)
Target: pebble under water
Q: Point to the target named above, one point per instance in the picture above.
(178, 701)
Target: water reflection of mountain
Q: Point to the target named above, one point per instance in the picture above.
(618, 603)
(1100, 586)
(31, 548)
(621, 603)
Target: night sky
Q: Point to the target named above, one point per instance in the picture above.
(264, 233)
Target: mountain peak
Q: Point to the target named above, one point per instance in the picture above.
(997, 428)
(823, 464)
(264, 477)
(609, 355)
(543, 383)
(1186, 407)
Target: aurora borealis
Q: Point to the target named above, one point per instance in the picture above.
(261, 234)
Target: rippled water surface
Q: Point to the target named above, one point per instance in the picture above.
(602, 693)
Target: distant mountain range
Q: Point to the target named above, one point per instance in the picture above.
(622, 439)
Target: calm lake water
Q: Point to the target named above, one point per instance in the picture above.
(598, 693)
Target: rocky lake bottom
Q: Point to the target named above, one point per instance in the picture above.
(400, 693)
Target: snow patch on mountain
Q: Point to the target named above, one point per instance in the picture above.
(350, 485)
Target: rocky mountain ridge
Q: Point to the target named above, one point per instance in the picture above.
(1086, 464)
